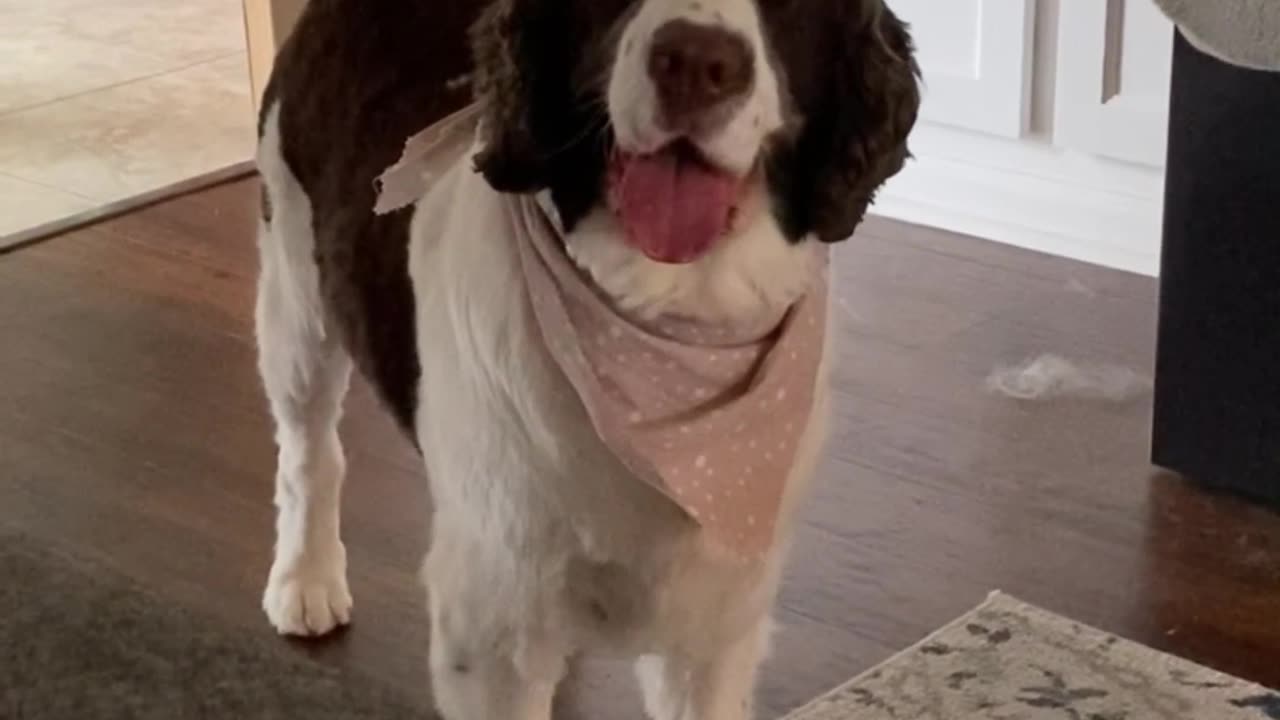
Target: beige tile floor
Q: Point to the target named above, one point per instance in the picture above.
(105, 100)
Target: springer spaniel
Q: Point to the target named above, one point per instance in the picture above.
(603, 326)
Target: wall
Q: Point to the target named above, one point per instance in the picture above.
(1082, 177)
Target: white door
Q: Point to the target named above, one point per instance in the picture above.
(976, 57)
(1114, 68)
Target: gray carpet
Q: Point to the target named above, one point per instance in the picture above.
(81, 642)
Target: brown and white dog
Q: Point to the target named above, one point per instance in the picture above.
(760, 129)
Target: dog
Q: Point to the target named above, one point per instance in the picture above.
(688, 159)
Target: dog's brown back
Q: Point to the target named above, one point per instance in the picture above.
(353, 82)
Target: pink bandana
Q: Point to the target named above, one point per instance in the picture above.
(712, 417)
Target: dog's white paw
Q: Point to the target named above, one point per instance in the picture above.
(308, 596)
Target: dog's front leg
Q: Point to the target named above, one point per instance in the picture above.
(720, 687)
(305, 371)
(489, 660)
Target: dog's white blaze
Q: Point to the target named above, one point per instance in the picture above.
(633, 99)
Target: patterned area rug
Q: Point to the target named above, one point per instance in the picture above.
(1007, 660)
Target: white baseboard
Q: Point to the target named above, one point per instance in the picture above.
(1031, 195)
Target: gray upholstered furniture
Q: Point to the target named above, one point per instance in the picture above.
(1238, 32)
(1217, 404)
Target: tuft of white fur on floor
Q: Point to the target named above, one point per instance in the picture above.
(1051, 376)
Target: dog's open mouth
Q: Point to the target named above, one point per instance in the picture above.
(674, 204)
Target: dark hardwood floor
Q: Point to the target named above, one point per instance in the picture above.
(132, 427)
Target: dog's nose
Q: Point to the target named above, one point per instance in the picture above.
(696, 68)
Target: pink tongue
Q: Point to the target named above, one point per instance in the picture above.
(673, 208)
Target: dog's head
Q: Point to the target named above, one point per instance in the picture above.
(669, 112)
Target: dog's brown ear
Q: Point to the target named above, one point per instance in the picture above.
(522, 68)
(542, 127)
(855, 138)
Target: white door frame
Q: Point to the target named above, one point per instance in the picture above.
(267, 23)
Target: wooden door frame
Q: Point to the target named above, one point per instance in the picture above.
(267, 24)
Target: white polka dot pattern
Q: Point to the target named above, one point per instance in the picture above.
(711, 417)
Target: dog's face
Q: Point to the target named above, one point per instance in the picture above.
(673, 113)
